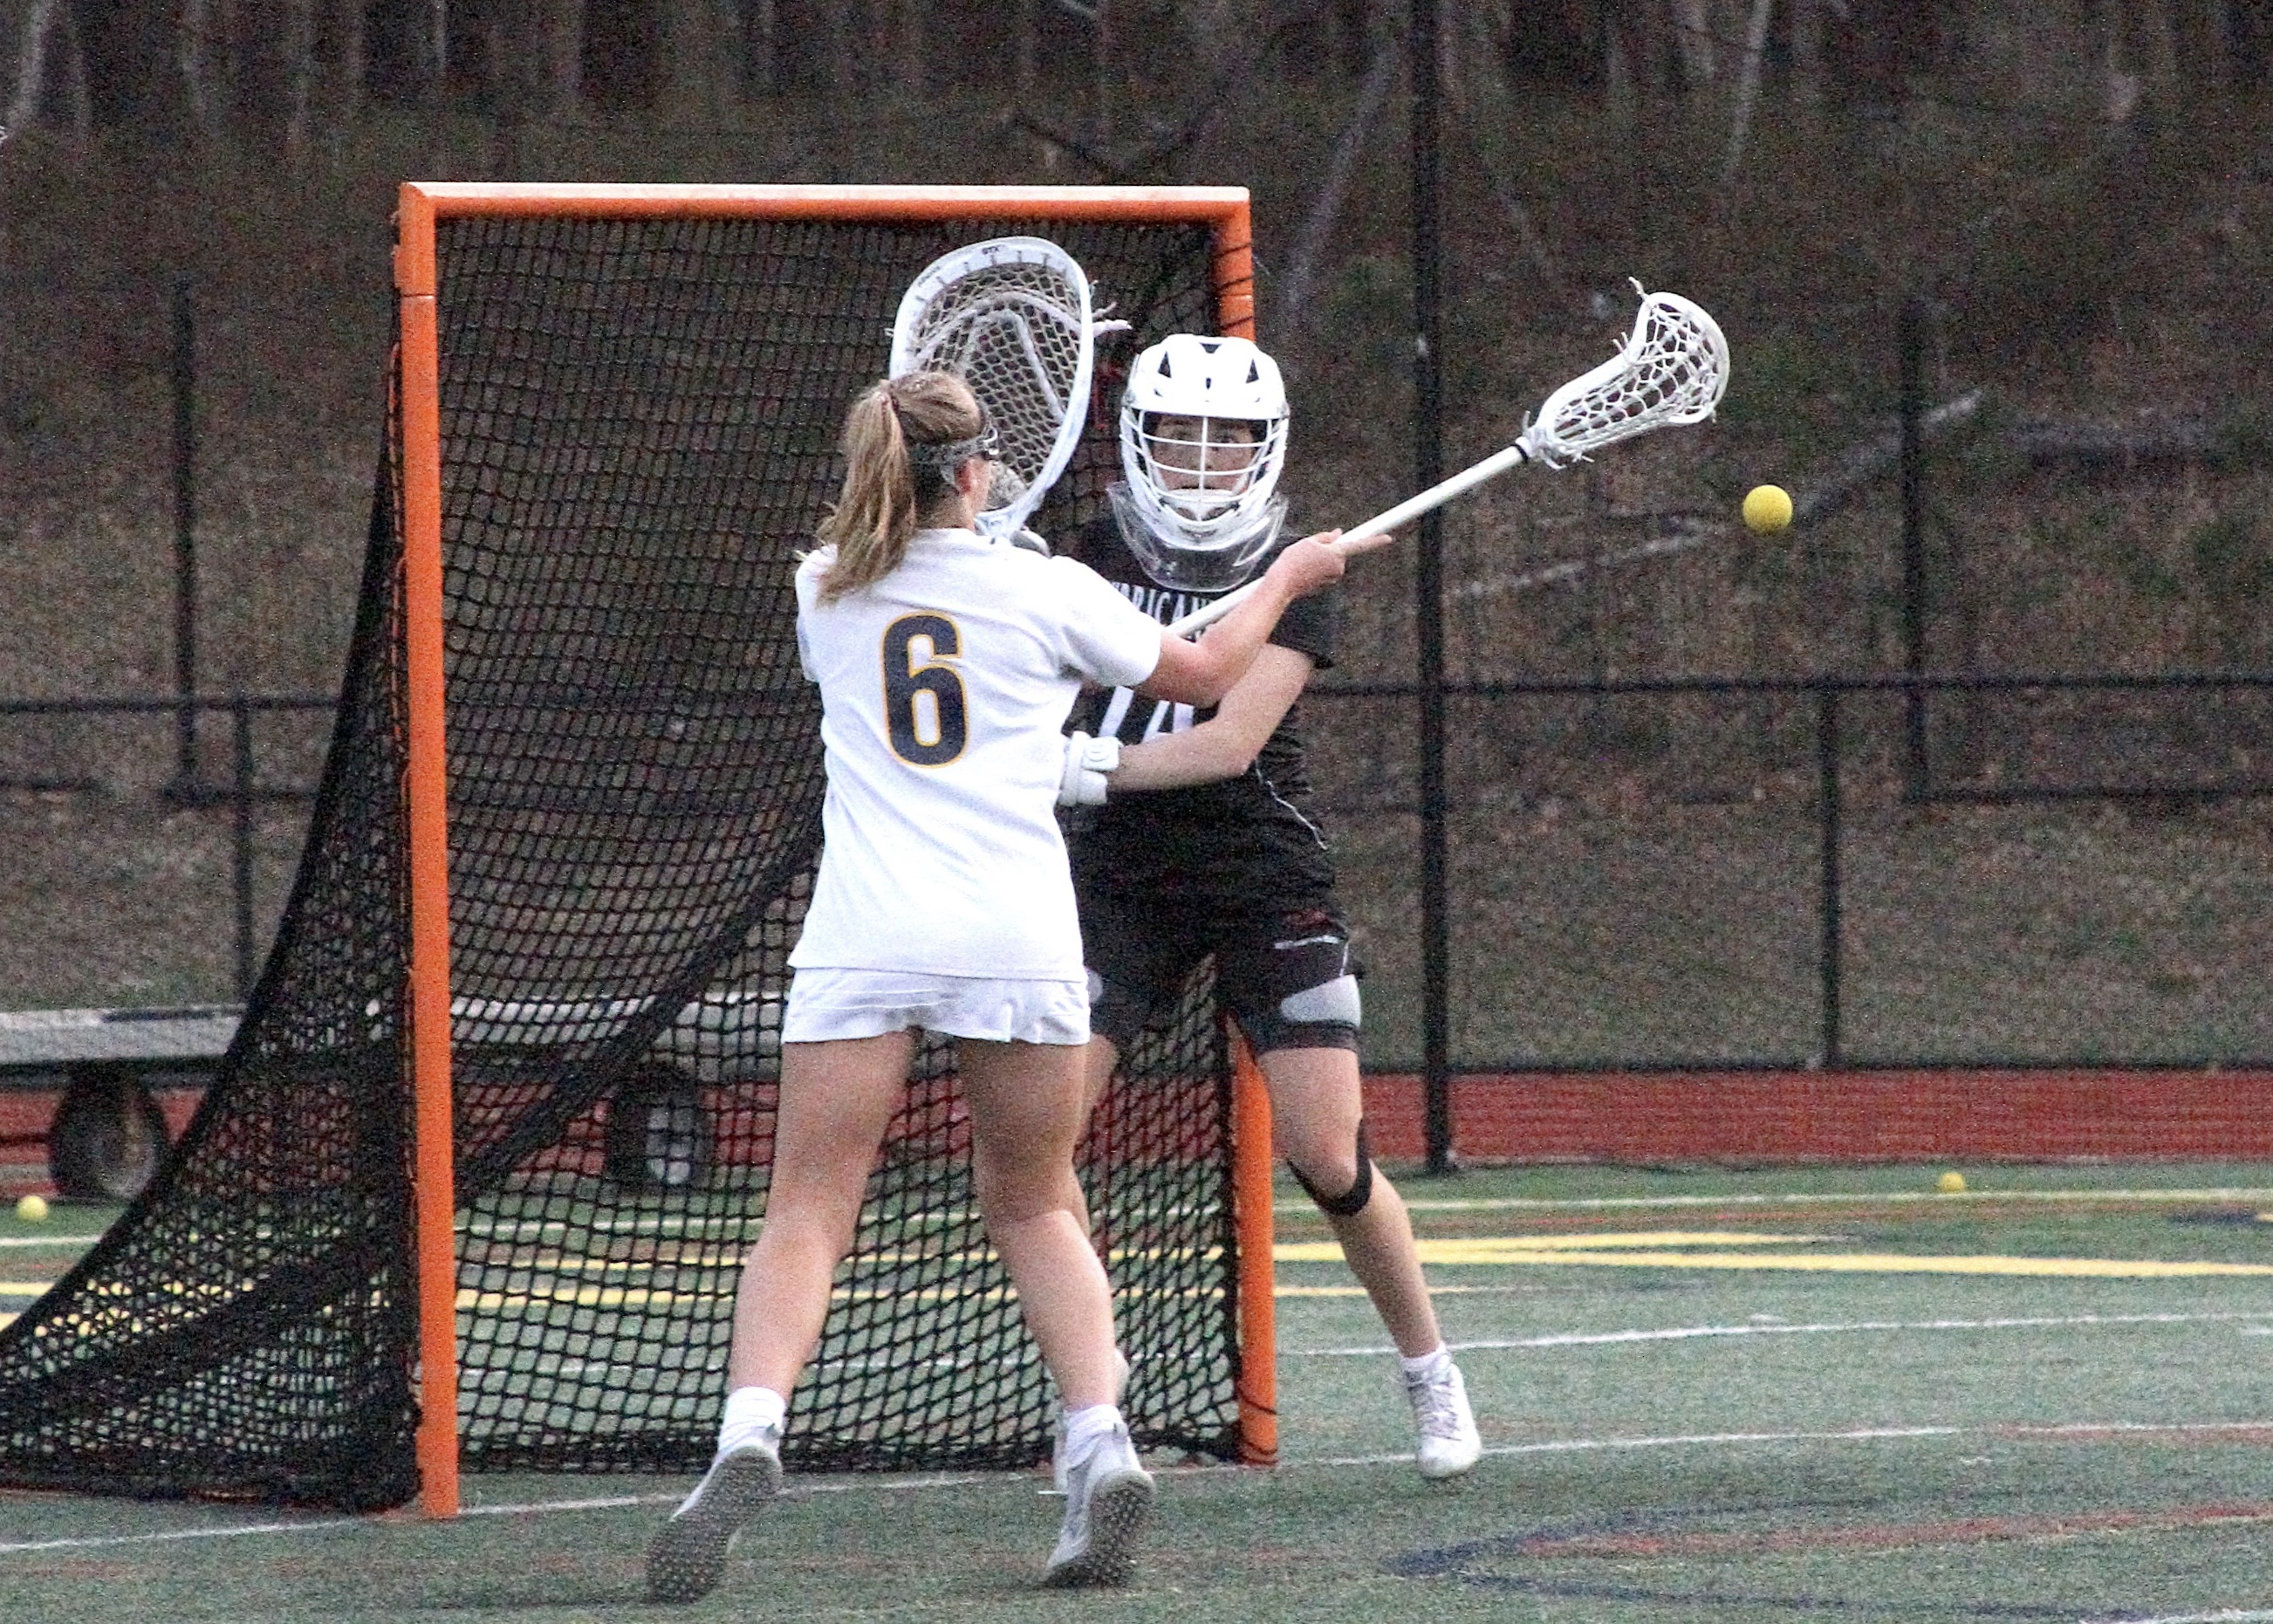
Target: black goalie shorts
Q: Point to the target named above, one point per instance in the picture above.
(1283, 962)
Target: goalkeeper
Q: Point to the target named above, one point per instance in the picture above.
(1190, 836)
(944, 903)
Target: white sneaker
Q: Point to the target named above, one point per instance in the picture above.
(1108, 1501)
(1057, 1422)
(1450, 1443)
(689, 1552)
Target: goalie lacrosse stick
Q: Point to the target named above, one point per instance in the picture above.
(1010, 317)
(1673, 368)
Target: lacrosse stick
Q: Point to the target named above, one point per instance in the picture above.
(1011, 318)
(1673, 368)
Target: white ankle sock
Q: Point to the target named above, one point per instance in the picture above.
(749, 1411)
(1427, 1364)
(1084, 1426)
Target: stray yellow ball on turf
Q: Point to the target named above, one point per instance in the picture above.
(33, 1209)
(1767, 507)
(1951, 1184)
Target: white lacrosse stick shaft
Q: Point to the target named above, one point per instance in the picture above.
(1411, 508)
(1672, 369)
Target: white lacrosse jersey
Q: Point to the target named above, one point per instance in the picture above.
(943, 688)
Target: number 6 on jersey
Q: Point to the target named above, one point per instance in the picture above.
(906, 683)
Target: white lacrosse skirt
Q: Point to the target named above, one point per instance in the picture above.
(827, 1004)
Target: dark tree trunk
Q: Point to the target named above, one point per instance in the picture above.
(1354, 36)
(1105, 97)
(195, 49)
(563, 25)
(689, 44)
(298, 42)
(77, 97)
(760, 62)
(908, 54)
(1805, 21)
(352, 57)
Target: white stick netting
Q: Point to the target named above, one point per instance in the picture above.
(1012, 319)
(1673, 368)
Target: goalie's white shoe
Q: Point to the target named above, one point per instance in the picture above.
(689, 1554)
(1108, 1501)
(1450, 1443)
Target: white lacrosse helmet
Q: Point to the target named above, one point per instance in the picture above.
(1201, 506)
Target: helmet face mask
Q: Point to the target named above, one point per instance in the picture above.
(1200, 465)
(1202, 438)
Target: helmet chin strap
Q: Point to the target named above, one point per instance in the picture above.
(1216, 562)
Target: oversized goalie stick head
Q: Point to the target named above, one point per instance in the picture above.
(1010, 317)
(1672, 369)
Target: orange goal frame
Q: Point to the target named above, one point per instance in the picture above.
(1224, 209)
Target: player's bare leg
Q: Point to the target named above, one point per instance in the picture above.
(1316, 1103)
(1027, 1112)
(836, 1099)
(1096, 1063)
(1026, 1116)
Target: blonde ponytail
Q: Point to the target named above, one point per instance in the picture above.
(890, 484)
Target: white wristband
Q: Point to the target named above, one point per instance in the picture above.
(1088, 761)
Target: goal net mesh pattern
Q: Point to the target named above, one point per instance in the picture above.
(638, 433)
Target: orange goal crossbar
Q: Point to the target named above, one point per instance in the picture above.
(1224, 210)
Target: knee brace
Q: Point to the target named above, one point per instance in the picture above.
(1353, 1200)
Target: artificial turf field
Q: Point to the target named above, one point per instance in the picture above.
(1830, 1394)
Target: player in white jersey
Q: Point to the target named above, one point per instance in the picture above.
(946, 664)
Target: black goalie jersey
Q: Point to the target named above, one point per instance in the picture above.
(1256, 819)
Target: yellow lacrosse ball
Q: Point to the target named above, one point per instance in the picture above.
(1951, 1184)
(1767, 507)
(33, 1209)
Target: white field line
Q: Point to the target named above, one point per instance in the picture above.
(97, 1541)
(2088, 1430)
(1597, 1339)
(1875, 1198)
(1868, 1434)
(2230, 1616)
(542, 1508)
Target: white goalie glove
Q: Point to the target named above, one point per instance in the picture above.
(1089, 763)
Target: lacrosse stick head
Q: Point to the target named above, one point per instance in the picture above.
(1672, 369)
(1010, 317)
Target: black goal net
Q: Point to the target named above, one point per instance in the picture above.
(639, 423)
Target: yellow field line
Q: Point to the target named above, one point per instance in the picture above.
(564, 1265)
(1638, 1250)
(1652, 1248)
(1502, 1249)
(1875, 1197)
(629, 1296)
(1900, 1263)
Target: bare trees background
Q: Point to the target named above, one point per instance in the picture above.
(285, 78)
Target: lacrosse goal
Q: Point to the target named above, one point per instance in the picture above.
(473, 1189)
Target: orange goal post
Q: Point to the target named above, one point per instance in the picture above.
(615, 410)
